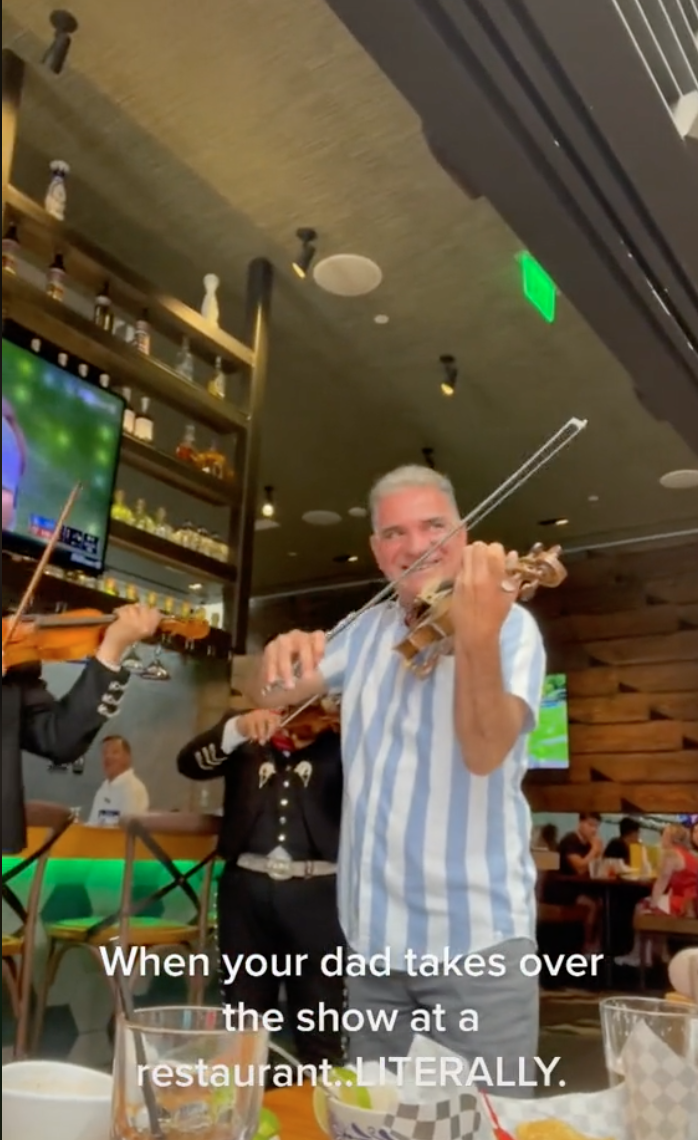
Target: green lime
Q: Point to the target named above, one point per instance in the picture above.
(346, 1089)
(320, 1109)
(269, 1127)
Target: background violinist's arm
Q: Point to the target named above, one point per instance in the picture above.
(321, 668)
(62, 730)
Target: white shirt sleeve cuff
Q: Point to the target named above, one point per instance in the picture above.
(232, 739)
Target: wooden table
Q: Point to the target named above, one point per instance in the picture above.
(294, 1108)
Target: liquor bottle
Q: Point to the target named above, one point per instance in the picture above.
(120, 511)
(84, 370)
(162, 527)
(216, 385)
(129, 420)
(10, 249)
(184, 364)
(143, 427)
(186, 450)
(212, 461)
(104, 379)
(55, 279)
(142, 337)
(141, 518)
(103, 312)
(56, 197)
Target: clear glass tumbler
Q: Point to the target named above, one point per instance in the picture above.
(183, 1072)
(675, 1023)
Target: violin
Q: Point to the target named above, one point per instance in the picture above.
(73, 635)
(300, 732)
(429, 619)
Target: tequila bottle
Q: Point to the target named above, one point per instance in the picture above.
(142, 335)
(142, 519)
(186, 449)
(184, 364)
(143, 427)
(119, 509)
(213, 462)
(55, 279)
(162, 527)
(129, 420)
(216, 385)
(103, 312)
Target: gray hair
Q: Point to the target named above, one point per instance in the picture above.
(402, 478)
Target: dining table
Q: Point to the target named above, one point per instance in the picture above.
(294, 1109)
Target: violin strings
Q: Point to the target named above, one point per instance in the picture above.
(540, 458)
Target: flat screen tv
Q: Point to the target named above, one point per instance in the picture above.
(548, 744)
(58, 429)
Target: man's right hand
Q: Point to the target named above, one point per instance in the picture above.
(291, 658)
(259, 724)
(596, 847)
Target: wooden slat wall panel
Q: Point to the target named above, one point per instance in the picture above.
(625, 630)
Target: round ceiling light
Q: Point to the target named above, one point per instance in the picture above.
(265, 524)
(357, 512)
(680, 480)
(322, 518)
(381, 319)
(347, 275)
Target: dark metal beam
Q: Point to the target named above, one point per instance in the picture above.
(260, 280)
(12, 84)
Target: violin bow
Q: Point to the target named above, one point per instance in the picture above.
(540, 458)
(41, 566)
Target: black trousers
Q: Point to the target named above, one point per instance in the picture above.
(257, 915)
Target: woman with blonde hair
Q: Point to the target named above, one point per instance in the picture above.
(675, 891)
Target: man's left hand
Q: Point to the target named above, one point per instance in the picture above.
(133, 624)
(484, 593)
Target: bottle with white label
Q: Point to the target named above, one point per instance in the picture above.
(184, 364)
(142, 337)
(129, 421)
(103, 312)
(55, 279)
(143, 427)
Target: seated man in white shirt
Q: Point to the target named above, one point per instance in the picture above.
(122, 793)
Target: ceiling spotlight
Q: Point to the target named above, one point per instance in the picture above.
(381, 319)
(268, 508)
(306, 253)
(680, 480)
(553, 522)
(64, 26)
(428, 453)
(450, 374)
(196, 586)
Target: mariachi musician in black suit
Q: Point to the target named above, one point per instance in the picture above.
(62, 730)
(279, 839)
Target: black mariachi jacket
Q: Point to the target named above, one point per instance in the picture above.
(244, 795)
(58, 730)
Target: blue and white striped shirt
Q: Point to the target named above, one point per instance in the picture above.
(431, 856)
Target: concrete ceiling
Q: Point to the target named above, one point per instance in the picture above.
(199, 138)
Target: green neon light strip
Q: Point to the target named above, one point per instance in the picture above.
(539, 289)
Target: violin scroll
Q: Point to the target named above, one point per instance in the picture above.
(431, 627)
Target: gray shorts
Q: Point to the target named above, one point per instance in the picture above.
(506, 1013)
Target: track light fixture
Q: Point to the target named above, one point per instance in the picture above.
(449, 369)
(306, 253)
(64, 27)
(268, 508)
(428, 453)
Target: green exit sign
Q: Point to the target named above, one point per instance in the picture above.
(538, 287)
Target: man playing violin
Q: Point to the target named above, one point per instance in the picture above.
(62, 730)
(434, 858)
(277, 895)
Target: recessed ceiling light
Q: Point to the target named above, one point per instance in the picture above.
(680, 480)
(196, 586)
(593, 498)
(381, 319)
(322, 518)
(357, 512)
(553, 522)
(265, 524)
(346, 558)
(353, 558)
(347, 275)
(293, 554)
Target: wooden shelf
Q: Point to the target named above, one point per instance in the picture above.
(183, 477)
(79, 337)
(171, 553)
(45, 236)
(55, 594)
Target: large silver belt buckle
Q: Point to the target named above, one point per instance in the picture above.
(280, 870)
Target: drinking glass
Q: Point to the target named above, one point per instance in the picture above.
(675, 1023)
(181, 1071)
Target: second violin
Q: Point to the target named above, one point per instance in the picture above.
(73, 636)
